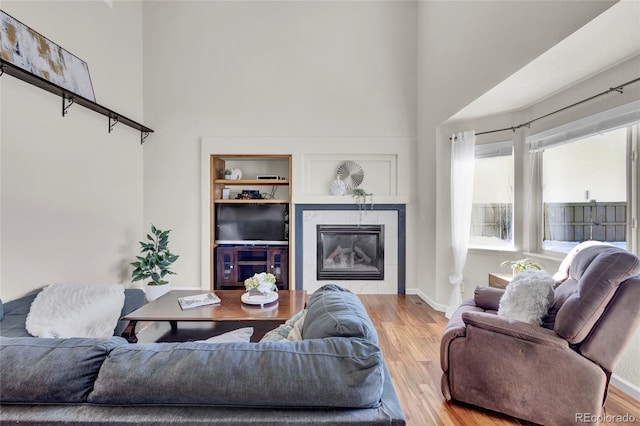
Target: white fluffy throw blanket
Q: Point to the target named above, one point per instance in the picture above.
(76, 310)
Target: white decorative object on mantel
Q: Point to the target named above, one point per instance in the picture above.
(351, 173)
(338, 187)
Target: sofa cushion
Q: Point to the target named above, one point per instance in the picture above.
(240, 335)
(335, 311)
(134, 298)
(560, 295)
(15, 315)
(285, 332)
(335, 372)
(37, 370)
(563, 270)
(21, 305)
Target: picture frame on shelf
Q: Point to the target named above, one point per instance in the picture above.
(32, 52)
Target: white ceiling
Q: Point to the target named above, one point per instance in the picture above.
(607, 40)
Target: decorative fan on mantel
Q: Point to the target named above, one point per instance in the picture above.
(351, 174)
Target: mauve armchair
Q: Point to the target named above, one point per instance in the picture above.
(557, 373)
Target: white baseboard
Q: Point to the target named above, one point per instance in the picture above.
(625, 386)
(437, 306)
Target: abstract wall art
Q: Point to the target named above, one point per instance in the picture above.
(34, 53)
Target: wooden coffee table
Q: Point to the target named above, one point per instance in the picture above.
(231, 309)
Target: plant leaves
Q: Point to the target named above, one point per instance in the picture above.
(157, 259)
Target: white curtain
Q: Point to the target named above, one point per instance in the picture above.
(462, 161)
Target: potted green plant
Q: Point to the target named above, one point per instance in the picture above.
(227, 173)
(520, 265)
(153, 263)
(361, 198)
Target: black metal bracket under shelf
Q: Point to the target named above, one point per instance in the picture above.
(113, 120)
(69, 99)
(66, 104)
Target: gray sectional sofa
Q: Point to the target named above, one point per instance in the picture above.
(335, 375)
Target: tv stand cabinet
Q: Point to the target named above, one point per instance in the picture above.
(234, 264)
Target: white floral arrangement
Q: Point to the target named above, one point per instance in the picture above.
(264, 282)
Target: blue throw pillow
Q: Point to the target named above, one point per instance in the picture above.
(334, 311)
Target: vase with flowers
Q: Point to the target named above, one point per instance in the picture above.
(261, 289)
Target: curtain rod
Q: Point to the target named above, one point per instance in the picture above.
(617, 89)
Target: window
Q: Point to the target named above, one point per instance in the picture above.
(584, 191)
(585, 184)
(492, 211)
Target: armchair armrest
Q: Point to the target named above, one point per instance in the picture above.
(455, 328)
(518, 329)
(487, 298)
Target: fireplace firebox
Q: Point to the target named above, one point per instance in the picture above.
(350, 252)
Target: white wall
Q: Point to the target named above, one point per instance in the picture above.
(330, 75)
(71, 201)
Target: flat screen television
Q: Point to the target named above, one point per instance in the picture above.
(252, 223)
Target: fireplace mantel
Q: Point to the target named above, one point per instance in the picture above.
(348, 199)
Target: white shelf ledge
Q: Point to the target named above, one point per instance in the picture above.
(348, 199)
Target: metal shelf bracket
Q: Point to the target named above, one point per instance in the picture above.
(66, 103)
(143, 136)
(113, 120)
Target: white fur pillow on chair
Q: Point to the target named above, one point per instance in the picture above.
(527, 297)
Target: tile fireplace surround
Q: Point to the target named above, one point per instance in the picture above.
(392, 216)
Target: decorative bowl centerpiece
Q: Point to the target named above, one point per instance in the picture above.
(261, 289)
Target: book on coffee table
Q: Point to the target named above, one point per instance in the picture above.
(188, 302)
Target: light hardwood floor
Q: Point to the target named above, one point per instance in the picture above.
(409, 332)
